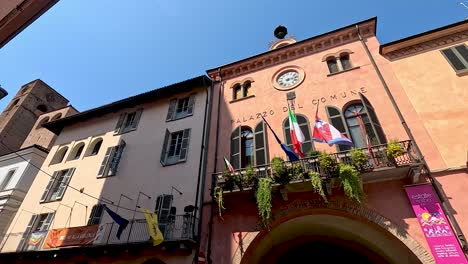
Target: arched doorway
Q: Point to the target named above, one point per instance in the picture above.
(333, 236)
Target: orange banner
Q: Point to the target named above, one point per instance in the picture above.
(74, 236)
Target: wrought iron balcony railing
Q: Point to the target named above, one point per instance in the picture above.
(299, 170)
(174, 228)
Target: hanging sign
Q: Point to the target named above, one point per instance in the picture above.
(437, 230)
(73, 236)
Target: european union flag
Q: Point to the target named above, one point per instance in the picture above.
(291, 155)
(122, 222)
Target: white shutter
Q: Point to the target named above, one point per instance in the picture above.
(105, 162)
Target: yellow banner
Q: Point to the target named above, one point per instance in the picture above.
(153, 228)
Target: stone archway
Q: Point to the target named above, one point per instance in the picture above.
(371, 233)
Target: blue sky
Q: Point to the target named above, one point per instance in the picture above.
(96, 52)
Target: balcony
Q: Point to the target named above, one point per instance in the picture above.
(178, 228)
(379, 167)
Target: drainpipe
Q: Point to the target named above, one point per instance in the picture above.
(453, 221)
(210, 236)
(202, 168)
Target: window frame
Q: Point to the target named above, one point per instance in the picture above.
(33, 226)
(8, 176)
(57, 185)
(111, 161)
(287, 133)
(167, 160)
(124, 126)
(173, 113)
(96, 214)
(243, 88)
(459, 57)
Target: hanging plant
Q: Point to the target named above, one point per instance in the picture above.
(359, 158)
(394, 149)
(280, 173)
(263, 196)
(218, 194)
(328, 164)
(317, 184)
(351, 182)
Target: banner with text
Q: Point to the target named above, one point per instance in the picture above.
(438, 232)
(73, 236)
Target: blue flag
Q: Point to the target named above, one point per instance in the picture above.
(122, 222)
(291, 155)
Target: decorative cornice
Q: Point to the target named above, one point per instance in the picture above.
(295, 51)
(427, 45)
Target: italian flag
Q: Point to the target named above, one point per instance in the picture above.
(229, 166)
(297, 137)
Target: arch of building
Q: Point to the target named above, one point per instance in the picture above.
(336, 221)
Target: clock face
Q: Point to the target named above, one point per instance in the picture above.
(288, 79)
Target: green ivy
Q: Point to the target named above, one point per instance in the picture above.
(394, 149)
(218, 193)
(317, 185)
(263, 196)
(359, 158)
(351, 182)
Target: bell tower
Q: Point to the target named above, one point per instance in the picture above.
(20, 115)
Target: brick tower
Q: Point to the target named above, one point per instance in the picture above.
(18, 118)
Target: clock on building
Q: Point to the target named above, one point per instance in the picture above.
(288, 78)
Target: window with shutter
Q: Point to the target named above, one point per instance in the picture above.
(105, 162)
(118, 127)
(163, 206)
(260, 143)
(171, 111)
(57, 185)
(191, 104)
(457, 57)
(336, 119)
(303, 122)
(114, 160)
(185, 144)
(136, 119)
(128, 122)
(46, 192)
(62, 187)
(27, 233)
(164, 147)
(38, 223)
(236, 148)
(96, 214)
(7, 179)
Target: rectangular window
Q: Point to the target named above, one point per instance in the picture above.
(163, 206)
(96, 215)
(7, 179)
(128, 122)
(57, 185)
(175, 147)
(457, 56)
(36, 231)
(111, 160)
(180, 108)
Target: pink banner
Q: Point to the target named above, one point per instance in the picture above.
(437, 230)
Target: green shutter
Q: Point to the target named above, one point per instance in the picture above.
(171, 111)
(45, 194)
(260, 144)
(185, 144)
(236, 148)
(136, 120)
(164, 147)
(119, 125)
(377, 129)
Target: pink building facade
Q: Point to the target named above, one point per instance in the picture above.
(332, 74)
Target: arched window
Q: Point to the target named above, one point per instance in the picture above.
(42, 108)
(307, 146)
(43, 121)
(59, 155)
(57, 116)
(249, 148)
(76, 152)
(94, 147)
(345, 62)
(332, 65)
(247, 91)
(336, 119)
(363, 125)
(237, 92)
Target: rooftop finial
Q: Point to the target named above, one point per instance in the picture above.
(280, 32)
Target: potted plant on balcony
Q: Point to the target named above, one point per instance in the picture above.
(228, 181)
(394, 150)
(263, 196)
(313, 153)
(317, 184)
(359, 158)
(280, 172)
(249, 177)
(351, 182)
(328, 164)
